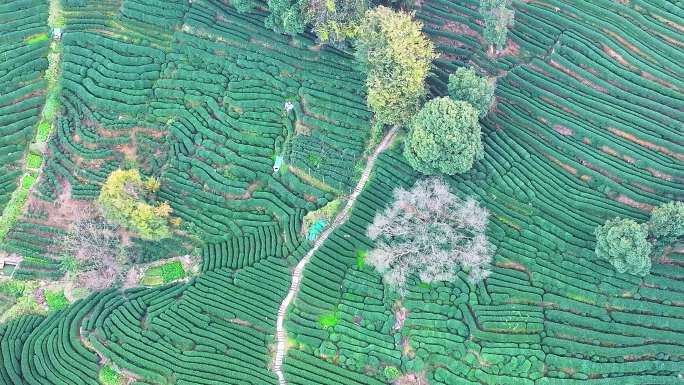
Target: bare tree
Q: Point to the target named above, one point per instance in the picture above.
(91, 250)
(430, 232)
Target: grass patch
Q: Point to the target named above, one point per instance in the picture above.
(16, 204)
(34, 161)
(36, 38)
(43, 131)
(329, 320)
(109, 376)
(165, 273)
(361, 258)
(56, 300)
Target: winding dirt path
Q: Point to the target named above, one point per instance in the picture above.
(341, 218)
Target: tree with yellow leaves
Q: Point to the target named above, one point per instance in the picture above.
(122, 199)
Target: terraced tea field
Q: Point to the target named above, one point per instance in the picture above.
(588, 125)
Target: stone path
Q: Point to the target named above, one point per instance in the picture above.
(341, 218)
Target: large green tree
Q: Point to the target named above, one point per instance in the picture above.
(465, 84)
(624, 243)
(396, 56)
(444, 137)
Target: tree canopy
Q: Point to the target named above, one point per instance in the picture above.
(498, 17)
(122, 199)
(396, 56)
(444, 137)
(624, 243)
(667, 222)
(465, 84)
(334, 21)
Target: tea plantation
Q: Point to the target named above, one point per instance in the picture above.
(588, 125)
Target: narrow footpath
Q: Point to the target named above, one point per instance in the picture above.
(340, 219)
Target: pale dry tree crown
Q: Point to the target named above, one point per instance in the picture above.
(430, 232)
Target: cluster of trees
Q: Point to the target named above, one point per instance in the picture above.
(630, 246)
(432, 233)
(129, 201)
(92, 251)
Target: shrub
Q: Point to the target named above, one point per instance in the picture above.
(465, 84)
(444, 137)
(667, 223)
(430, 232)
(497, 18)
(109, 376)
(243, 6)
(55, 300)
(391, 373)
(284, 17)
(122, 201)
(396, 56)
(329, 320)
(623, 242)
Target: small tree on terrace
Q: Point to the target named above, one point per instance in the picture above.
(666, 223)
(498, 17)
(430, 232)
(624, 243)
(465, 84)
(396, 57)
(444, 137)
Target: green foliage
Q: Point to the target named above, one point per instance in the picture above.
(498, 17)
(334, 21)
(329, 320)
(33, 160)
(43, 131)
(361, 258)
(122, 201)
(109, 376)
(164, 273)
(465, 84)
(391, 373)
(16, 204)
(56, 300)
(396, 56)
(667, 223)
(443, 137)
(623, 242)
(243, 6)
(285, 17)
(36, 38)
(69, 264)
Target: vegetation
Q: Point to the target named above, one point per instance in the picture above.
(329, 320)
(124, 202)
(429, 232)
(91, 251)
(498, 17)
(466, 85)
(55, 300)
(164, 273)
(396, 57)
(109, 376)
(334, 21)
(444, 137)
(666, 223)
(285, 17)
(624, 243)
